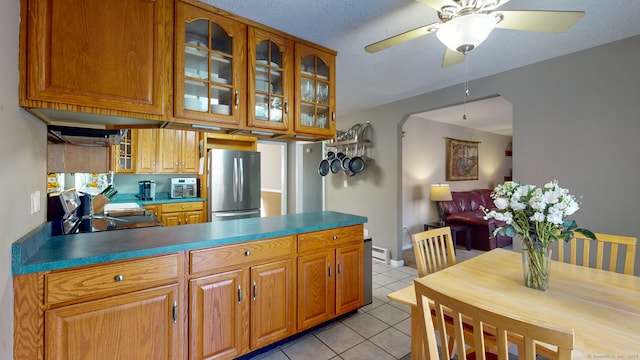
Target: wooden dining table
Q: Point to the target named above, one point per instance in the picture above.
(602, 307)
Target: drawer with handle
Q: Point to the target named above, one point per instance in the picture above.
(244, 254)
(110, 279)
(330, 238)
(183, 206)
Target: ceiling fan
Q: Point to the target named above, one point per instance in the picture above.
(464, 24)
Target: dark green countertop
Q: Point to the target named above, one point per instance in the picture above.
(39, 251)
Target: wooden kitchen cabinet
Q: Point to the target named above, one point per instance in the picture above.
(218, 315)
(270, 84)
(162, 151)
(140, 325)
(103, 57)
(118, 310)
(173, 214)
(178, 151)
(315, 71)
(330, 274)
(153, 210)
(247, 303)
(146, 143)
(209, 68)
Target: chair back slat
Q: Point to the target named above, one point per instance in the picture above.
(433, 250)
(532, 333)
(620, 248)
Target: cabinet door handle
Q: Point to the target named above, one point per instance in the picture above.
(119, 278)
(237, 100)
(335, 237)
(333, 116)
(330, 270)
(339, 268)
(175, 312)
(239, 294)
(286, 108)
(255, 290)
(247, 253)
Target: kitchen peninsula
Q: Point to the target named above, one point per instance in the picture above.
(211, 290)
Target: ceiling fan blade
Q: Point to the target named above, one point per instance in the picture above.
(438, 4)
(451, 57)
(400, 38)
(552, 22)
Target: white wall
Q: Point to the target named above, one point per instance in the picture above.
(576, 119)
(424, 163)
(23, 159)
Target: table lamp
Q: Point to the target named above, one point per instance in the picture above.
(440, 193)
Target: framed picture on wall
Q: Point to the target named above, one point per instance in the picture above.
(462, 160)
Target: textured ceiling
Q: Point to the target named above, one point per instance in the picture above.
(367, 80)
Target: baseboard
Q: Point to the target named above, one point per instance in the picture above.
(396, 263)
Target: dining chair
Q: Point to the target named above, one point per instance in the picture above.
(614, 245)
(433, 250)
(502, 325)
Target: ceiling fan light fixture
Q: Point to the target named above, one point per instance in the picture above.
(466, 32)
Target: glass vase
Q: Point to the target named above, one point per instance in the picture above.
(535, 266)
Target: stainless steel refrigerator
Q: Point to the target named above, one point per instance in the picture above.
(234, 184)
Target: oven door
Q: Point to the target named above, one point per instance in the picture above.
(190, 191)
(177, 191)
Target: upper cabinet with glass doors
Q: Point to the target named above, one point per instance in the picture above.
(210, 73)
(315, 92)
(270, 81)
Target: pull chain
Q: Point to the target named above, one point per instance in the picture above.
(466, 86)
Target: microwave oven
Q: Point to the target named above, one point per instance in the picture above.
(183, 188)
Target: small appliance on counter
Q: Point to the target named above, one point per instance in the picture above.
(147, 190)
(183, 188)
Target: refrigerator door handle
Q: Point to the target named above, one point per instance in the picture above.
(236, 213)
(241, 189)
(235, 179)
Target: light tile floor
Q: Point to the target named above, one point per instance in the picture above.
(381, 330)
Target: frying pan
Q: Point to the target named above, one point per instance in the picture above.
(357, 163)
(323, 169)
(336, 165)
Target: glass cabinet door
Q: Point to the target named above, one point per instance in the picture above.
(316, 73)
(270, 75)
(208, 53)
(123, 154)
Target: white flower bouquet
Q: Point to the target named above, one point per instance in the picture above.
(539, 217)
(537, 214)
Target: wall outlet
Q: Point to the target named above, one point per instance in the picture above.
(35, 202)
(346, 184)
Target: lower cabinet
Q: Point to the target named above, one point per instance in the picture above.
(218, 316)
(244, 308)
(173, 214)
(330, 274)
(139, 325)
(241, 297)
(120, 310)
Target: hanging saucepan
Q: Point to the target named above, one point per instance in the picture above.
(357, 163)
(344, 161)
(323, 169)
(336, 165)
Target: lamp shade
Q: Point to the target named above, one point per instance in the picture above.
(465, 32)
(440, 192)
